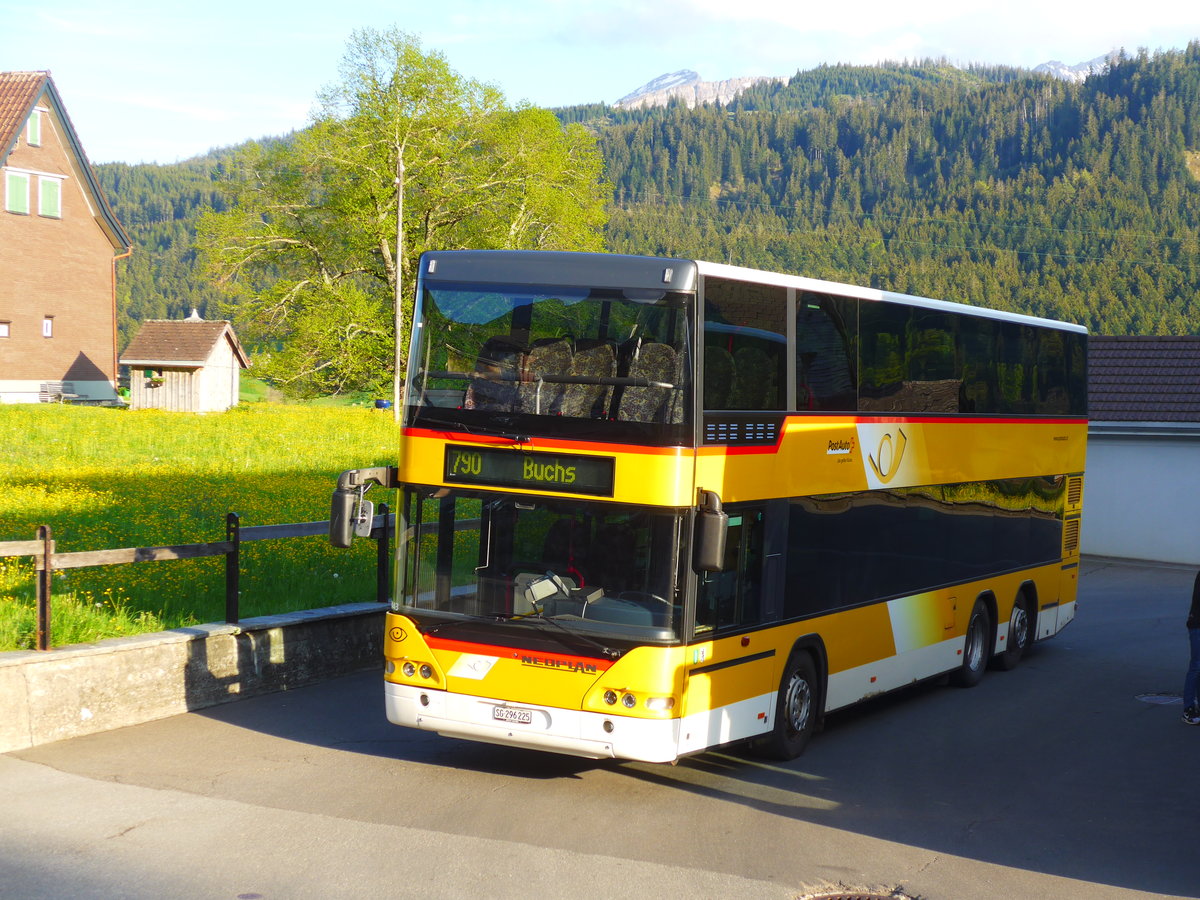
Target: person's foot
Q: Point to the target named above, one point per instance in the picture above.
(1191, 716)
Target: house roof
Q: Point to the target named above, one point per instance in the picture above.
(1144, 379)
(20, 93)
(180, 342)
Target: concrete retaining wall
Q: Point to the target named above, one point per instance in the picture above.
(88, 688)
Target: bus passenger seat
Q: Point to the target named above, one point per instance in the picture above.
(593, 359)
(718, 377)
(675, 405)
(654, 362)
(497, 373)
(754, 381)
(548, 356)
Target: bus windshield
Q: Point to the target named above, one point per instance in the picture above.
(542, 360)
(591, 567)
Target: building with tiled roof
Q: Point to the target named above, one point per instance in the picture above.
(1144, 379)
(1142, 495)
(187, 365)
(59, 242)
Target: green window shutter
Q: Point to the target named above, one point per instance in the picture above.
(16, 193)
(34, 134)
(50, 197)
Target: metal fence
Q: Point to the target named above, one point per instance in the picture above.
(47, 559)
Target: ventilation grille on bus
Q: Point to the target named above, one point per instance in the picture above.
(740, 430)
(1071, 537)
(1074, 491)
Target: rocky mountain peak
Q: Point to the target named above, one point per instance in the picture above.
(688, 87)
(1078, 72)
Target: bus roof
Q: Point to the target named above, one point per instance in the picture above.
(816, 285)
(610, 270)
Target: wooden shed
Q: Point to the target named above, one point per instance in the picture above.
(184, 365)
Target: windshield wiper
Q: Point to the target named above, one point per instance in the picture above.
(583, 638)
(431, 416)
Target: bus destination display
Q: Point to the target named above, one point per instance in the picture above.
(538, 471)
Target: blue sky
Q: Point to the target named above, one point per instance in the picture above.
(162, 81)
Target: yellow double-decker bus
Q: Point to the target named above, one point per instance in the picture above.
(650, 506)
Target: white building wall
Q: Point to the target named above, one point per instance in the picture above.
(1141, 497)
(219, 379)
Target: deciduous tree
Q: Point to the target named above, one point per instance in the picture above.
(309, 247)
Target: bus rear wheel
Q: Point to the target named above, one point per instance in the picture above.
(1020, 633)
(795, 710)
(975, 648)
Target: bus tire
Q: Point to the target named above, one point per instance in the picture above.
(1020, 633)
(975, 648)
(795, 709)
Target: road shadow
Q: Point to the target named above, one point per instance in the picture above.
(1056, 767)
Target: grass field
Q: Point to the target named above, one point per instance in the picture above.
(109, 478)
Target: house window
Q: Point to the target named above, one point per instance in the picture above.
(5, 329)
(34, 132)
(50, 197)
(16, 193)
(48, 327)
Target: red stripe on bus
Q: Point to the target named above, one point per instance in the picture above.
(544, 443)
(439, 643)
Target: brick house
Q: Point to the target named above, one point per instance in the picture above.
(1142, 496)
(59, 242)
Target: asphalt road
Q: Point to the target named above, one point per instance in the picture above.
(1060, 778)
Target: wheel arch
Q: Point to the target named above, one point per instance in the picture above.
(988, 598)
(815, 648)
(1029, 589)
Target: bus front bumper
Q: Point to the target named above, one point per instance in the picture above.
(573, 732)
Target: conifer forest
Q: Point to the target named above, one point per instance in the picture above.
(991, 186)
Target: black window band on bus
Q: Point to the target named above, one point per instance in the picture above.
(851, 549)
(881, 357)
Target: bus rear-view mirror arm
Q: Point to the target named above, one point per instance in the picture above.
(348, 509)
(712, 524)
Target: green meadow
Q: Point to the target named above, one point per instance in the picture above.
(107, 478)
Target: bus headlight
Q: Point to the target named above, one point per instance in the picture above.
(409, 670)
(660, 704)
(610, 697)
(629, 701)
(426, 671)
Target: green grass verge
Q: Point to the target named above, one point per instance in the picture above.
(109, 478)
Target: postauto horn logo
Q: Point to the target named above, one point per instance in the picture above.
(885, 461)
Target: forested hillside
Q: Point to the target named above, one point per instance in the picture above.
(158, 205)
(990, 186)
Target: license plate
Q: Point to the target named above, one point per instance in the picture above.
(513, 715)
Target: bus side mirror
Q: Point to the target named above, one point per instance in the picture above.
(341, 517)
(712, 524)
(350, 514)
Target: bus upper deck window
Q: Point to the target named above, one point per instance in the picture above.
(745, 345)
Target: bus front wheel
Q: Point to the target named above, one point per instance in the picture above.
(795, 709)
(975, 648)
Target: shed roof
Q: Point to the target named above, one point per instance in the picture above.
(180, 342)
(1144, 379)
